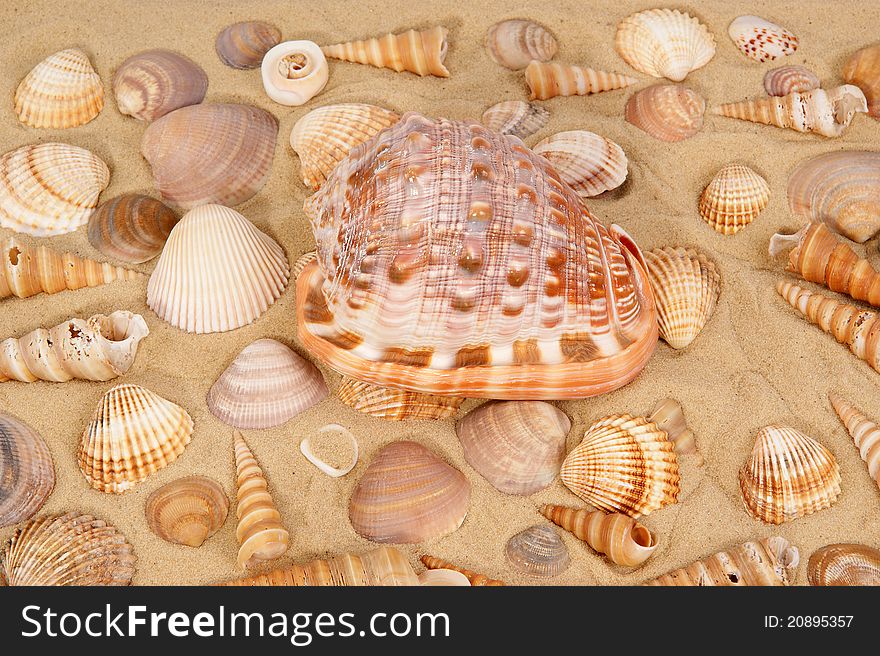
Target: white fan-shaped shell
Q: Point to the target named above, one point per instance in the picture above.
(761, 40)
(589, 163)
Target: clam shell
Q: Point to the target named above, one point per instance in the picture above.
(548, 80)
(515, 43)
(538, 551)
(589, 163)
(863, 70)
(516, 117)
(733, 199)
(131, 228)
(408, 494)
(443, 578)
(420, 52)
(294, 72)
(669, 112)
(475, 579)
(242, 45)
(153, 83)
(187, 511)
(844, 564)
(395, 404)
(784, 80)
(761, 40)
(27, 476)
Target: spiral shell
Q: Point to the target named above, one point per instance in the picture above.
(784, 80)
(131, 228)
(515, 117)
(27, 475)
(515, 43)
(538, 551)
(419, 52)
(395, 404)
(844, 564)
(475, 579)
(733, 199)
(761, 40)
(864, 432)
(242, 45)
(153, 83)
(548, 80)
(669, 112)
(863, 70)
(187, 511)
(294, 72)
(589, 163)
(669, 417)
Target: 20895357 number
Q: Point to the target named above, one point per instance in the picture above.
(808, 621)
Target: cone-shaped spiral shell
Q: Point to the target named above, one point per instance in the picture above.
(538, 551)
(664, 43)
(266, 385)
(548, 80)
(686, 286)
(217, 272)
(407, 495)
(517, 117)
(733, 199)
(515, 43)
(864, 432)
(844, 564)
(62, 91)
(784, 80)
(420, 52)
(518, 446)
(587, 162)
(27, 475)
(131, 228)
(242, 45)
(210, 153)
(761, 40)
(669, 416)
(624, 464)
(669, 112)
(49, 189)
(134, 433)
(187, 511)
(153, 83)
(863, 70)
(395, 404)
(476, 580)
(294, 72)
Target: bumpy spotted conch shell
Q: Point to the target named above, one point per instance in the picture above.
(27, 475)
(844, 564)
(761, 40)
(517, 117)
(515, 43)
(67, 549)
(266, 385)
(210, 153)
(768, 562)
(100, 348)
(686, 286)
(420, 52)
(134, 433)
(153, 83)
(664, 43)
(49, 189)
(408, 494)
(187, 511)
(864, 432)
(788, 475)
(324, 137)
(669, 416)
(824, 112)
(476, 580)
(368, 307)
(395, 404)
(790, 79)
(733, 199)
(62, 91)
(242, 45)
(587, 162)
(621, 538)
(538, 551)
(443, 578)
(624, 464)
(217, 272)
(863, 70)
(294, 72)
(669, 112)
(518, 446)
(131, 228)
(548, 80)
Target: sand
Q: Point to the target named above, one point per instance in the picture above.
(754, 364)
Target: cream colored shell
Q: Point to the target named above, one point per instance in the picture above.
(294, 72)
(733, 199)
(588, 162)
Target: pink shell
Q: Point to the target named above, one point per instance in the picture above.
(784, 80)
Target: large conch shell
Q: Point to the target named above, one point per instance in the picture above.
(514, 43)
(27, 475)
(863, 70)
(294, 72)
(669, 112)
(131, 228)
(548, 80)
(761, 40)
(538, 551)
(733, 199)
(525, 312)
(864, 432)
(187, 511)
(395, 404)
(789, 79)
(589, 163)
(153, 83)
(420, 52)
(844, 564)
(517, 117)
(475, 579)
(243, 45)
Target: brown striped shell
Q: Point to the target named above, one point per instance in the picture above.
(551, 79)
(62, 91)
(784, 80)
(395, 404)
(242, 45)
(131, 228)
(733, 199)
(669, 112)
(515, 43)
(517, 117)
(187, 511)
(27, 475)
(844, 564)
(588, 162)
(153, 83)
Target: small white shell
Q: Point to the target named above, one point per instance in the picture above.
(294, 72)
(305, 448)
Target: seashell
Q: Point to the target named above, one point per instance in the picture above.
(266, 385)
(517, 117)
(407, 495)
(621, 538)
(294, 72)
(363, 307)
(100, 348)
(548, 80)
(217, 272)
(668, 112)
(395, 404)
(210, 153)
(325, 136)
(133, 433)
(664, 43)
(67, 549)
(243, 45)
(767, 562)
(863, 70)
(587, 162)
(515, 43)
(305, 448)
(62, 91)
(476, 580)
(419, 52)
(865, 433)
(733, 199)
(153, 83)
(668, 416)
(131, 228)
(624, 464)
(49, 189)
(686, 286)
(27, 475)
(443, 578)
(301, 262)
(518, 446)
(844, 564)
(824, 112)
(187, 511)
(538, 551)
(788, 475)
(784, 80)
(761, 40)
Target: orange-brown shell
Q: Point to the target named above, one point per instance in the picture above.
(844, 564)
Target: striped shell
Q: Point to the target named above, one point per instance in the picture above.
(395, 404)
(669, 112)
(187, 511)
(548, 80)
(733, 199)
(589, 163)
(515, 43)
(131, 228)
(761, 40)
(242, 45)
(538, 551)
(863, 70)
(784, 80)
(844, 564)
(27, 475)
(421, 52)
(153, 83)
(517, 117)
(864, 432)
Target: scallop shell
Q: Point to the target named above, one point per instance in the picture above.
(408, 494)
(134, 433)
(443, 578)
(419, 52)
(664, 43)
(242, 45)
(548, 80)
(863, 70)
(475, 579)
(131, 228)
(27, 475)
(761, 40)
(733, 199)
(669, 112)
(217, 272)
(788, 475)
(784, 80)
(62, 91)
(864, 432)
(538, 551)
(187, 511)
(395, 404)
(266, 385)
(153, 83)
(515, 43)
(590, 164)
(518, 446)
(624, 464)
(49, 189)
(516, 117)
(210, 153)
(294, 72)
(844, 564)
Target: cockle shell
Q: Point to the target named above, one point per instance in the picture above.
(49, 189)
(734, 198)
(515, 43)
(517, 117)
(266, 385)
(590, 164)
(844, 564)
(669, 417)
(131, 228)
(518, 446)
(548, 80)
(475, 579)
(217, 272)
(187, 511)
(62, 91)
(669, 112)
(153, 83)
(761, 40)
(419, 52)
(784, 80)
(242, 45)
(788, 475)
(863, 70)
(210, 153)
(864, 432)
(538, 551)
(27, 475)
(134, 433)
(369, 308)
(395, 404)
(294, 72)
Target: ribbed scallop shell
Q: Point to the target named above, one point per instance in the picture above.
(27, 475)
(549, 80)
(784, 80)
(516, 117)
(669, 112)
(62, 91)
(49, 189)
(515, 43)
(761, 40)
(134, 433)
(733, 199)
(217, 272)
(538, 551)
(242, 45)
(844, 564)
(187, 511)
(131, 228)
(863, 70)
(788, 475)
(395, 404)
(590, 164)
(153, 83)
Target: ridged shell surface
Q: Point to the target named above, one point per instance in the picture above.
(761, 40)
(517, 117)
(242, 45)
(784, 80)
(538, 551)
(421, 52)
(863, 70)
(589, 163)
(669, 112)
(131, 228)
(551, 79)
(864, 432)
(187, 511)
(27, 475)
(514, 43)
(733, 199)
(845, 565)
(395, 404)
(153, 83)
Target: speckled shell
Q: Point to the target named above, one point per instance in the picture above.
(395, 404)
(549, 80)
(514, 43)
(784, 80)
(476, 580)
(538, 551)
(761, 40)
(27, 475)
(153, 83)
(517, 117)
(131, 228)
(187, 511)
(669, 112)
(420, 52)
(590, 164)
(733, 199)
(864, 432)
(518, 314)
(844, 564)
(863, 70)
(242, 45)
